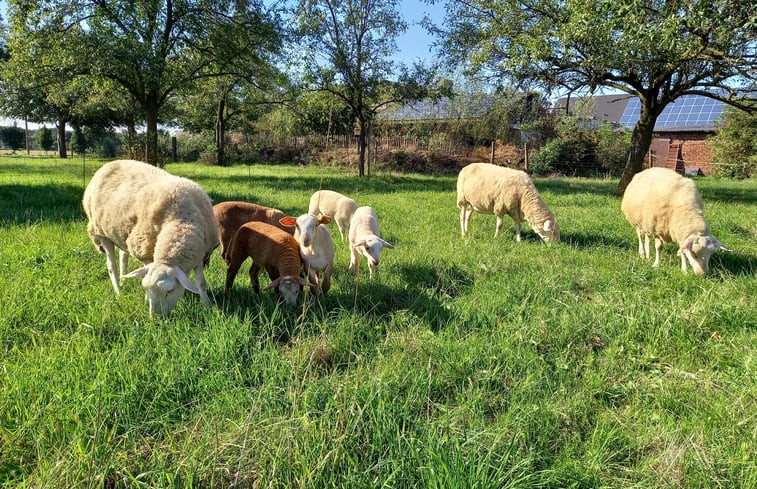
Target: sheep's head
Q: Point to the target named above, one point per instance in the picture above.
(698, 250)
(549, 231)
(371, 247)
(289, 287)
(163, 285)
(305, 227)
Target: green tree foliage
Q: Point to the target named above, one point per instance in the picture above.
(580, 147)
(44, 138)
(78, 140)
(657, 50)
(150, 49)
(13, 137)
(347, 47)
(735, 145)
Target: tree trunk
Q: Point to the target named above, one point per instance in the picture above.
(221, 131)
(62, 138)
(641, 138)
(361, 139)
(151, 134)
(131, 137)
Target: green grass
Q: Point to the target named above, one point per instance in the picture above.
(467, 363)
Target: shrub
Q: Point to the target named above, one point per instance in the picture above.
(612, 149)
(735, 145)
(13, 137)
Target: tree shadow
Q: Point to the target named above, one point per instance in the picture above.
(31, 203)
(561, 186)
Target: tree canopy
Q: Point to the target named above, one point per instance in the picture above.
(347, 47)
(657, 50)
(150, 49)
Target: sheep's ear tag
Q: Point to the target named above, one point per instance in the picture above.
(288, 221)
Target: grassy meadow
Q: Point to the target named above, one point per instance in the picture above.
(466, 363)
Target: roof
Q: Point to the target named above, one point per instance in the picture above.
(606, 107)
(441, 109)
(686, 113)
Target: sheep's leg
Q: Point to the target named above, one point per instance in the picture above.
(231, 273)
(468, 214)
(684, 267)
(498, 227)
(124, 263)
(326, 283)
(342, 230)
(254, 277)
(462, 221)
(313, 279)
(354, 258)
(641, 242)
(201, 285)
(658, 243)
(110, 254)
(517, 229)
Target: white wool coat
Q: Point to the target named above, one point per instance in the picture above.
(492, 189)
(335, 205)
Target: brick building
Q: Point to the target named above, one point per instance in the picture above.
(680, 135)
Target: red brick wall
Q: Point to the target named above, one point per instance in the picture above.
(696, 150)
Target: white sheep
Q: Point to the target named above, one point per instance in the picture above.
(664, 204)
(270, 248)
(492, 189)
(232, 214)
(365, 238)
(164, 221)
(335, 205)
(316, 250)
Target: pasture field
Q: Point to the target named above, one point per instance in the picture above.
(466, 363)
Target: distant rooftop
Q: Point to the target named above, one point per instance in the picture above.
(606, 107)
(687, 113)
(436, 110)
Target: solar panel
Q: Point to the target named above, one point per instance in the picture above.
(686, 111)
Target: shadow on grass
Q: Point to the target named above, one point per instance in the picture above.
(427, 296)
(734, 262)
(310, 184)
(563, 186)
(585, 241)
(728, 194)
(30, 203)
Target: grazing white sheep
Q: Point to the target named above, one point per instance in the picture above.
(232, 214)
(664, 204)
(492, 189)
(335, 205)
(270, 248)
(365, 238)
(316, 250)
(162, 220)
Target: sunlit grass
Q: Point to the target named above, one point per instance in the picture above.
(476, 362)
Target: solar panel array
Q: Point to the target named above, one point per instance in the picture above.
(690, 111)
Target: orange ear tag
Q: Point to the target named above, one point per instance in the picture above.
(288, 221)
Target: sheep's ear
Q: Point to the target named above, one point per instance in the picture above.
(323, 219)
(548, 225)
(719, 245)
(386, 244)
(139, 272)
(185, 282)
(288, 221)
(685, 246)
(273, 284)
